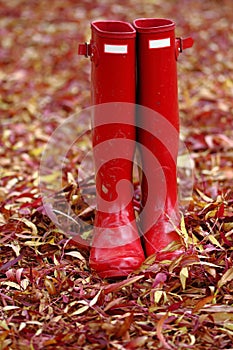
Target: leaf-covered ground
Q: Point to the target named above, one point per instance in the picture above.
(48, 297)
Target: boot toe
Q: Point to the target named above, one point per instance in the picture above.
(116, 267)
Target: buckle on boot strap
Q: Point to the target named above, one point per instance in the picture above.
(84, 49)
(182, 44)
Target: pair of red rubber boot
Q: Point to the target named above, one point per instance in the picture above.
(134, 97)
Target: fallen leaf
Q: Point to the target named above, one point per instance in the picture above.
(226, 277)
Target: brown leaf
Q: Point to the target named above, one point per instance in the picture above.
(49, 284)
(119, 285)
(202, 303)
(137, 343)
(124, 327)
(159, 330)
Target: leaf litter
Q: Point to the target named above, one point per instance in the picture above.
(49, 298)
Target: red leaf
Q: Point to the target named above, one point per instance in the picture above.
(220, 212)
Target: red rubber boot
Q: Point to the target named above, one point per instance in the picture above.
(158, 132)
(116, 248)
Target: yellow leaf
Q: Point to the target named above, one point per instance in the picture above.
(211, 214)
(157, 296)
(228, 325)
(28, 224)
(33, 243)
(36, 151)
(77, 255)
(56, 319)
(22, 326)
(6, 344)
(81, 310)
(31, 106)
(95, 299)
(15, 247)
(24, 283)
(214, 241)
(11, 284)
(38, 332)
(4, 325)
(228, 226)
(183, 230)
(192, 339)
(50, 178)
(35, 322)
(10, 307)
(204, 197)
(2, 219)
(184, 273)
(227, 277)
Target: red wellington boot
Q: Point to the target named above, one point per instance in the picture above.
(116, 248)
(158, 133)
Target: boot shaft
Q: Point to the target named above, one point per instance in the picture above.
(156, 65)
(113, 62)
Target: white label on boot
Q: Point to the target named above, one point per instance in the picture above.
(156, 44)
(115, 48)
